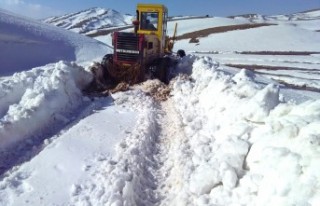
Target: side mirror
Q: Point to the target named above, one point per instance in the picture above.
(136, 22)
(136, 25)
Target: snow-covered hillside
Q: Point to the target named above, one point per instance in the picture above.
(240, 126)
(90, 20)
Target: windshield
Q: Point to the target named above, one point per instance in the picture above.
(149, 21)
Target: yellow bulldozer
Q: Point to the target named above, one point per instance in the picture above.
(142, 54)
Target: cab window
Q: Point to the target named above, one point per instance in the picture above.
(149, 21)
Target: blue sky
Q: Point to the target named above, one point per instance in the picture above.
(45, 8)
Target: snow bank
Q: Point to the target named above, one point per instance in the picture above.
(32, 101)
(288, 145)
(244, 145)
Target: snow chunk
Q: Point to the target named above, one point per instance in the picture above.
(262, 103)
(204, 179)
(229, 179)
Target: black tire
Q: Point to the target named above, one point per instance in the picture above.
(107, 60)
(181, 53)
(162, 69)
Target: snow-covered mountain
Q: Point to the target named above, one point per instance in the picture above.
(89, 20)
(240, 126)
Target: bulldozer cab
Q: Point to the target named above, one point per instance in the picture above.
(152, 20)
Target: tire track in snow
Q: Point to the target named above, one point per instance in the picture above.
(174, 152)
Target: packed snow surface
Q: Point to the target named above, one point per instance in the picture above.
(224, 136)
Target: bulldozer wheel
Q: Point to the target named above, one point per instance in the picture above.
(162, 68)
(106, 61)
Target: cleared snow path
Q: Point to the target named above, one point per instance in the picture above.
(171, 138)
(122, 154)
(145, 168)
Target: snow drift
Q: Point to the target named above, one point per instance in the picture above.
(27, 43)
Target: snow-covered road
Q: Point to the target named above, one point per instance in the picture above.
(224, 136)
(221, 138)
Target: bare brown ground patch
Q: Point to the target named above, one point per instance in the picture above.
(286, 76)
(220, 29)
(278, 52)
(298, 87)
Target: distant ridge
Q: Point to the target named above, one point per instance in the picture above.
(299, 16)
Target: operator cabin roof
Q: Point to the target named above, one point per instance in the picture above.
(150, 6)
